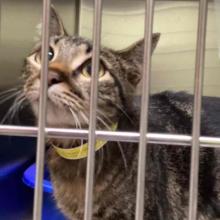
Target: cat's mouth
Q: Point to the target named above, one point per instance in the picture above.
(59, 114)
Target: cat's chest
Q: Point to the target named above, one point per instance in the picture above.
(69, 189)
(108, 198)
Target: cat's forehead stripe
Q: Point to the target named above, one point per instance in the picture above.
(85, 46)
(56, 40)
(79, 60)
(78, 42)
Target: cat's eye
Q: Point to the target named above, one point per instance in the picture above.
(50, 53)
(87, 70)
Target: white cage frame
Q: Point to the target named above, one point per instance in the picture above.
(143, 137)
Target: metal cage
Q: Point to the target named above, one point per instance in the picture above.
(142, 137)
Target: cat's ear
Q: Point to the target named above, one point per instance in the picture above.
(56, 24)
(133, 56)
(155, 39)
(136, 50)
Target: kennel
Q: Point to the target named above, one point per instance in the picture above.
(143, 137)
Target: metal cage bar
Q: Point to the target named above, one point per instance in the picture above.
(149, 11)
(38, 194)
(97, 17)
(153, 138)
(0, 21)
(198, 86)
(77, 17)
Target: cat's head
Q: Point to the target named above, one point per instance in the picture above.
(69, 78)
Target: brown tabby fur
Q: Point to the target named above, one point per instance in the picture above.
(167, 172)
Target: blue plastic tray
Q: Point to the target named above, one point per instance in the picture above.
(49, 207)
(29, 179)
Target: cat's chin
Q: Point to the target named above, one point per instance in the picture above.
(59, 117)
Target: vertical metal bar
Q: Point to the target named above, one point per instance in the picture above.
(42, 112)
(149, 11)
(198, 86)
(77, 17)
(97, 17)
(0, 21)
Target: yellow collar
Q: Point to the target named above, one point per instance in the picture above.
(81, 151)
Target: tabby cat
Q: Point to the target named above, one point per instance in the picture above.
(167, 171)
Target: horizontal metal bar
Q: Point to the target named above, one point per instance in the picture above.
(153, 138)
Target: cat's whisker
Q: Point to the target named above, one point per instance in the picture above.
(104, 116)
(101, 161)
(18, 103)
(103, 123)
(120, 109)
(7, 97)
(100, 165)
(124, 112)
(118, 143)
(77, 122)
(85, 118)
(80, 127)
(74, 117)
(6, 92)
(19, 100)
(74, 99)
(123, 155)
(10, 114)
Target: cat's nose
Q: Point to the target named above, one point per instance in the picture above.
(54, 78)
